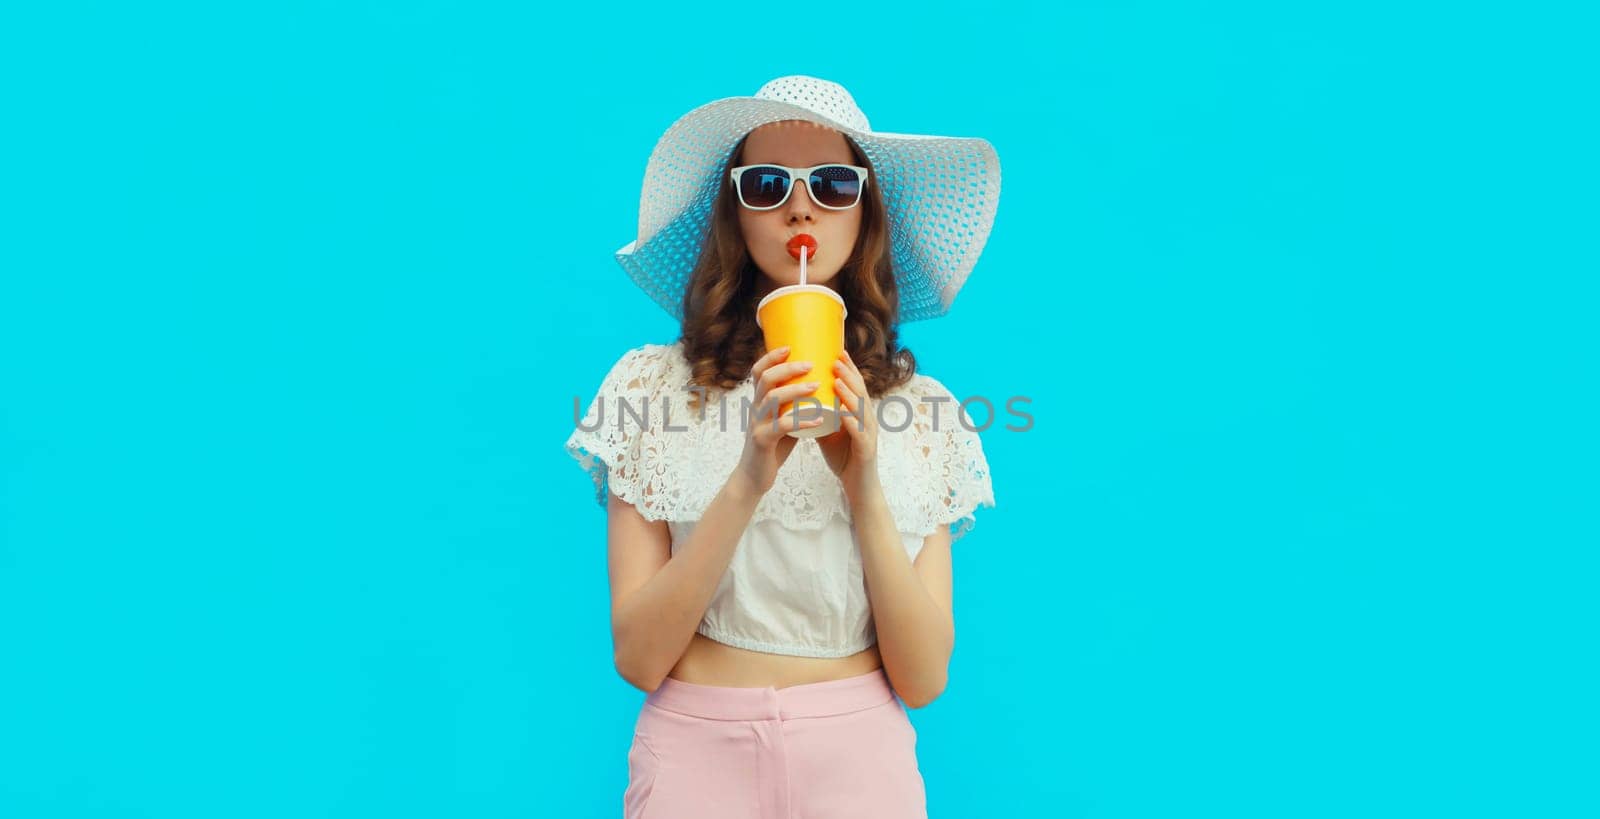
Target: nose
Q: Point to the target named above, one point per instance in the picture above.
(799, 206)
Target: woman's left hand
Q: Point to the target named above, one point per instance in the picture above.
(852, 451)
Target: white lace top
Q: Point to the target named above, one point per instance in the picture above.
(795, 583)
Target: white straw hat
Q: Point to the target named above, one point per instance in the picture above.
(941, 192)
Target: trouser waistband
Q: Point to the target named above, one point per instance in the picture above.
(821, 699)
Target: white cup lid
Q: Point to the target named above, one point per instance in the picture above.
(800, 288)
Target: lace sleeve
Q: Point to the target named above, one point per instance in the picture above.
(607, 442)
(952, 454)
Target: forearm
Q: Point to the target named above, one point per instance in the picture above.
(915, 635)
(653, 626)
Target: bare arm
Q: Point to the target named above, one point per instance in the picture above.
(657, 598)
(910, 601)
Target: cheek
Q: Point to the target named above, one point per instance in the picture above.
(848, 234)
(752, 237)
(767, 237)
(756, 229)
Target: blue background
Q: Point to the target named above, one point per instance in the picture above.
(295, 300)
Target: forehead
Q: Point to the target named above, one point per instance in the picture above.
(796, 143)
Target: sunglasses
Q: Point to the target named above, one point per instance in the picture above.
(764, 187)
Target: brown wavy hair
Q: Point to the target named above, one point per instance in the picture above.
(721, 338)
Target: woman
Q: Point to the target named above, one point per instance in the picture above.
(783, 597)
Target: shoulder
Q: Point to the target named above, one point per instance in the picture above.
(939, 458)
(647, 367)
(920, 384)
(653, 354)
(929, 400)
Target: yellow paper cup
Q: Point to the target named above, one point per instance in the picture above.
(809, 319)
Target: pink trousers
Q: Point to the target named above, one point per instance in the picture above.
(828, 750)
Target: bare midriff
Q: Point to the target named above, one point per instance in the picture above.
(708, 662)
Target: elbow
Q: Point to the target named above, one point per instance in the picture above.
(636, 677)
(626, 659)
(922, 696)
(641, 678)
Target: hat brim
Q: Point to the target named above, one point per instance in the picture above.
(941, 193)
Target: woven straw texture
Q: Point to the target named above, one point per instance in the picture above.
(941, 193)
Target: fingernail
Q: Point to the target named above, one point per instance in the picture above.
(805, 365)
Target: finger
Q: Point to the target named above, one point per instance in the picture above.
(773, 356)
(779, 396)
(770, 436)
(783, 372)
(847, 402)
(768, 424)
(790, 392)
(804, 410)
(790, 369)
(768, 359)
(772, 376)
(847, 370)
(847, 398)
(856, 394)
(803, 420)
(769, 430)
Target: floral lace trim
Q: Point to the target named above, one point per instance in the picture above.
(669, 459)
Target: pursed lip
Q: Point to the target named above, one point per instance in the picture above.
(795, 249)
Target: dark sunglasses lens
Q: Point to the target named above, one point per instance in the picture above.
(763, 186)
(836, 186)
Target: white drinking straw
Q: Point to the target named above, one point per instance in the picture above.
(803, 255)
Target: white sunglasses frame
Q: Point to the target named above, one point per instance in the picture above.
(798, 174)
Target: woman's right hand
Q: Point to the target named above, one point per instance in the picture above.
(767, 444)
